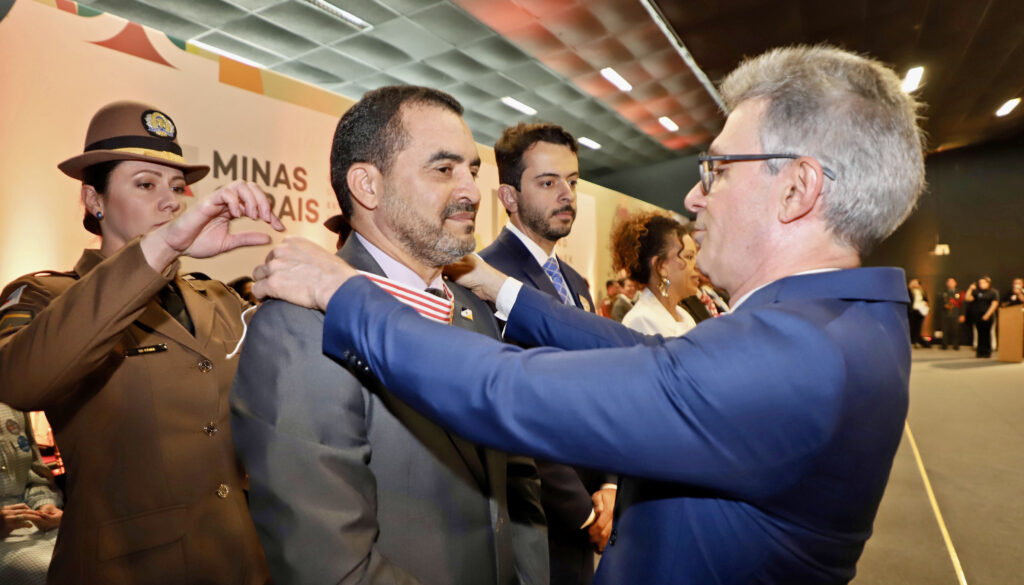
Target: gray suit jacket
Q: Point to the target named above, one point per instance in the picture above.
(350, 485)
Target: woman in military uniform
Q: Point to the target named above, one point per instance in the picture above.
(129, 361)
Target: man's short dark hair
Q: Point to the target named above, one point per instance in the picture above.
(371, 132)
(516, 140)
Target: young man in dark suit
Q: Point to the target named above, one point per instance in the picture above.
(538, 170)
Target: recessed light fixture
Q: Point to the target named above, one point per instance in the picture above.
(518, 105)
(589, 143)
(616, 79)
(668, 123)
(913, 79)
(227, 54)
(336, 12)
(1007, 107)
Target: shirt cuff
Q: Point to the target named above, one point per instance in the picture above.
(506, 299)
(590, 520)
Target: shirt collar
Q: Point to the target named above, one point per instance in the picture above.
(395, 270)
(536, 251)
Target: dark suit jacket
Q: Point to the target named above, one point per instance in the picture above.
(695, 308)
(566, 492)
(350, 485)
(767, 433)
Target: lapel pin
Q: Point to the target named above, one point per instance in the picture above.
(466, 314)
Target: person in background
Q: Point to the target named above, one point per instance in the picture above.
(29, 504)
(624, 302)
(339, 225)
(706, 302)
(1016, 296)
(129, 361)
(658, 251)
(917, 311)
(538, 170)
(984, 300)
(951, 314)
(612, 288)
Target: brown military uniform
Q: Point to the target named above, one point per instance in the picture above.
(140, 412)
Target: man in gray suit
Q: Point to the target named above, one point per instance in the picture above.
(347, 483)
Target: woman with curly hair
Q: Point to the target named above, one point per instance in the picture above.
(657, 251)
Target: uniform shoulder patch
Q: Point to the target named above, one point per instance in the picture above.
(15, 318)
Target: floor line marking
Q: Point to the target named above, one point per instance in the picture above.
(935, 507)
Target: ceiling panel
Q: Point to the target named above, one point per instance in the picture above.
(547, 53)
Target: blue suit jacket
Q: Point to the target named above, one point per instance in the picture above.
(565, 491)
(769, 432)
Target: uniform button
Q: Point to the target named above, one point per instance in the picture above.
(205, 366)
(210, 428)
(223, 490)
(614, 534)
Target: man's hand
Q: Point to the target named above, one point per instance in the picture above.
(203, 231)
(476, 275)
(604, 508)
(302, 273)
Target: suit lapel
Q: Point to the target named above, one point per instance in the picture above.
(356, 255)
(532, 272)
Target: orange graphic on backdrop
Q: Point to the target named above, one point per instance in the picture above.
(133, 40)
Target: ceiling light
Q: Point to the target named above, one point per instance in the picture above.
(345, 15)
(913, 79)
(616, 79)
(518, 105)
(1007, 107)
(227, 54)
(668, 123)
(589, 143)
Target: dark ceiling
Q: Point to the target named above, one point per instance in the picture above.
(972, 50)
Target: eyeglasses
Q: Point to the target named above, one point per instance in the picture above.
(707, 167)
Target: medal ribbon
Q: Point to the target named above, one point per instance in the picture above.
(426, 304)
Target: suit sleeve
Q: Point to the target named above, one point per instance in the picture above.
(637, 410)
(298, 423)
(48, 343)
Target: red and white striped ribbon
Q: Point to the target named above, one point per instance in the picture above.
(426, 304)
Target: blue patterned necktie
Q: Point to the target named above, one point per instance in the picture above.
(551, 269)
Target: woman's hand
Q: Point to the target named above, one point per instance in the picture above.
(203, 231)
(16, 516)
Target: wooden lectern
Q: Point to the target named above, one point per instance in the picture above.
(1011, 334)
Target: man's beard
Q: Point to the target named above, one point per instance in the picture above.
(539, 222)
(427, 242)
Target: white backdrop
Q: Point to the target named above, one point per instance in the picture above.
(59, 63)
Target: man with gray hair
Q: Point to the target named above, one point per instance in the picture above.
(761, 441)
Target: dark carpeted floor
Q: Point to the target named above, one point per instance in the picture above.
(967, 418)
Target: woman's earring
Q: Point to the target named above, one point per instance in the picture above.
(663, 287)
(99, 215)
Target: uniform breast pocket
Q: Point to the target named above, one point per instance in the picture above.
(144, 548)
